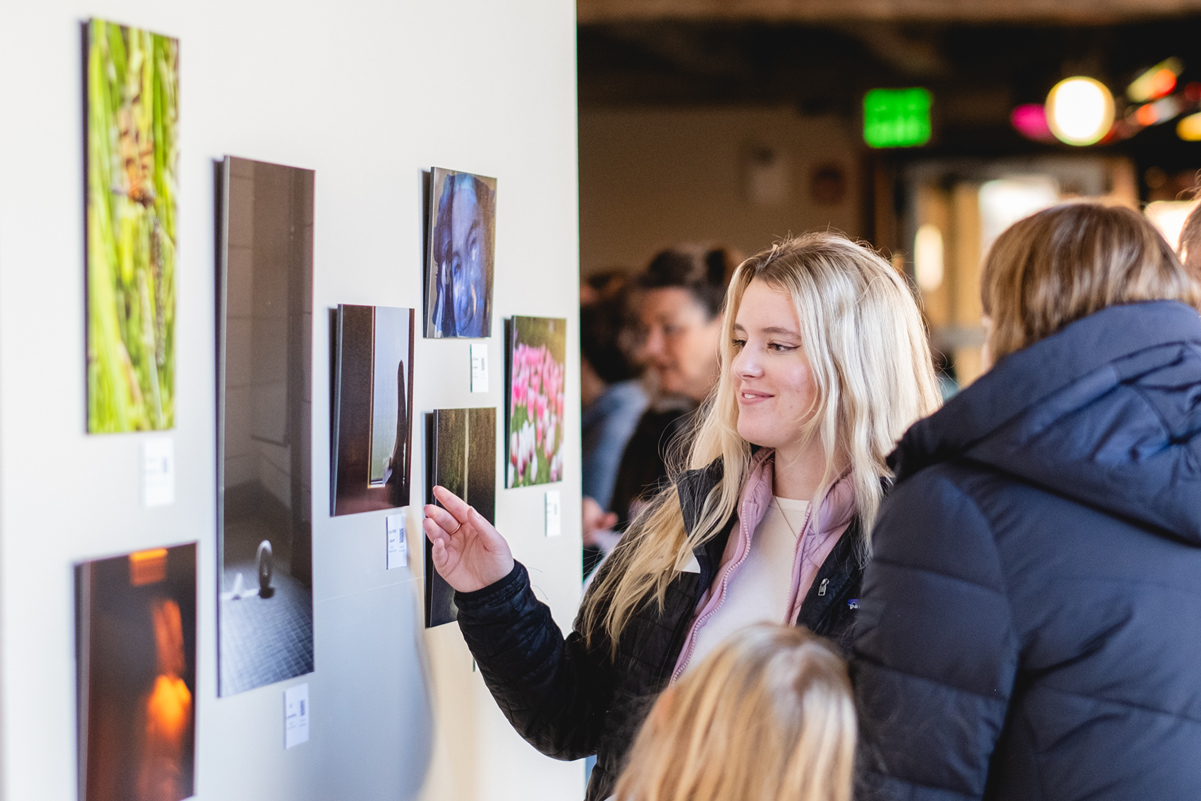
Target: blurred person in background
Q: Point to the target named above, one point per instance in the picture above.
(1030, 626)
(824, 363)
(768, 716)
(613, 401)
(678, 302)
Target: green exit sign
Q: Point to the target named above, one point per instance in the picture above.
(896, 117)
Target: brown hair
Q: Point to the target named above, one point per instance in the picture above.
(767, 716)
(1067, 262)
(703, 271)
(1190, 242)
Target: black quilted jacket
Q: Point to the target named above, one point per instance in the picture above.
(1031, 618)
(570, 701)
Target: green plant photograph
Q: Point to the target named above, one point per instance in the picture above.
(132, 153)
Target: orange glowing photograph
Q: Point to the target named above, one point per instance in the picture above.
(136, 643)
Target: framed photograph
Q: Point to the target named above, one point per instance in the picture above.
(132, 157)
(535, 363)
(135, 631)
(373, 398)
(461, 248)
(462, 458)
(264, 430)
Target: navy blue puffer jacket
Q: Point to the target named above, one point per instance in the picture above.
(1030, 626)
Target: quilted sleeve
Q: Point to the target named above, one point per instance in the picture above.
(935, 654)
(552, 689)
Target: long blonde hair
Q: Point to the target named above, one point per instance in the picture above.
(768, 716)
(870, 360)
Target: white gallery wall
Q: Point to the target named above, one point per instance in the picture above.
(368, 93)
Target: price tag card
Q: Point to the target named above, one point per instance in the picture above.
(398, 545)
(479, 366)
(296, 715)
(554, 516)
(158, 471)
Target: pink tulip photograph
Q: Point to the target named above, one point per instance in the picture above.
(536, 365)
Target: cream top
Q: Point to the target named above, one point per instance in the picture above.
(759, 590)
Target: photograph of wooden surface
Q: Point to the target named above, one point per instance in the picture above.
(462, 445)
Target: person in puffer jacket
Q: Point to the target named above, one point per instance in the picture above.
(824, 364)
(1030, 626)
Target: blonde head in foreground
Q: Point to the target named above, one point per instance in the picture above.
(768, 716)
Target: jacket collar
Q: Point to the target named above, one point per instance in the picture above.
(1022, 380)
(694, 486)
(1105, 413)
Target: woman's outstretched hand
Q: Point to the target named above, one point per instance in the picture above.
(468, 552)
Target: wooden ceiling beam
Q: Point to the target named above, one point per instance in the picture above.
(1067, 12)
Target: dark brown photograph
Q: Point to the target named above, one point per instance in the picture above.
(136, 658)
(462, 454)
(373, 397)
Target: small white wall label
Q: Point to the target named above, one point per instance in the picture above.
(554, 516)
(296, 715)
(158, 471)
(479, 366)
(398, 546)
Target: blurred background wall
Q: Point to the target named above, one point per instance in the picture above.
(737, 122)
(654, 176)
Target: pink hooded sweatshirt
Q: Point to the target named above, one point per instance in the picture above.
(818, 538)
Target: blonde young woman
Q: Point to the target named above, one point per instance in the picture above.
(768, 716)
(824, 363)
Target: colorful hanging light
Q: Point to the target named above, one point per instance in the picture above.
(1156, 82)
(1189, 128)
(1080, 110)
(1030, 120)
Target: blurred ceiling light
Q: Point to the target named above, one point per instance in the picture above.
(1155, 82)
(1079, 111)
(928, 257)
(1189, 128)
(1161, 110)
(1030, 120)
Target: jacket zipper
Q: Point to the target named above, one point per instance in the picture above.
(798, 556)
(834, 581)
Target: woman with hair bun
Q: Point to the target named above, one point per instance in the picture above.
(678, 300)
(823, 364)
